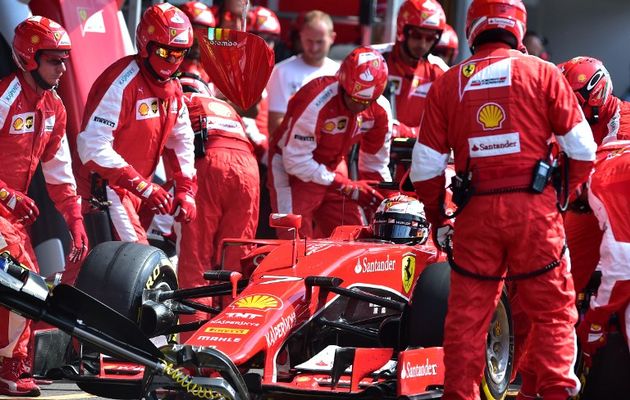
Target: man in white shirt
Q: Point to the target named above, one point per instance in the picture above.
(316, 37)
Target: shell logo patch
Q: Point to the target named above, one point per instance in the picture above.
(581, 78)
(35, 39)
(408, 271)
(3, 194)
(147, 108)
(491, 116)
(335, 126)
(259, 302)
(468, 70)
(22, 123)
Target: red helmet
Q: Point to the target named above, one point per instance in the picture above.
(484, 15)
(590, 82)
(166, 25)
(448, 40)
(199, 13)
(35, 34)
(363, 74)
(263, 20)
(427, 14)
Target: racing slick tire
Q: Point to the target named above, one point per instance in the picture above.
(424, 327)
(116, 273)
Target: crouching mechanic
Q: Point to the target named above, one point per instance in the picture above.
(308, 173)
(135, 113)
(227, 200)
(33, 129)
(608, 193)
(609, 118)
(412, 67)
(482, 110)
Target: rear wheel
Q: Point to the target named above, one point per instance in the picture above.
(424, 327)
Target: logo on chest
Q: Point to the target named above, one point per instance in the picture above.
(147, 108)
(334, 126)
(22, 123)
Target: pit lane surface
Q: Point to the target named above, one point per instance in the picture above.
(66, 390)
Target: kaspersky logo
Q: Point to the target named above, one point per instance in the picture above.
(410, 370)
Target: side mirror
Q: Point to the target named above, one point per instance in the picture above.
(288, 221)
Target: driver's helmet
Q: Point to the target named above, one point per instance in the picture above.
(401, 219)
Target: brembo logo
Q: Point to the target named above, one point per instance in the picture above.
(416, 371)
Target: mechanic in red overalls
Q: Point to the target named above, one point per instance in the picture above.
(135, 113)
(608, 193)
(412, 67)
(447, 47)
(498, 111)
(609, 118)
(200, 15)
(308, 173)
(227, 200)
(33, 129)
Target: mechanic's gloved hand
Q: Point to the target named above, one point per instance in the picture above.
(79, 240)
(441, 234)
(20, 205)
(359, 191)
(592, 333)
(158, 199)
(184, 207)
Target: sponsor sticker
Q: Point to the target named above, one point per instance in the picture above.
(228, 331)
(408, 270)
(280, 329)
(335, 126)
(104, 121)
(49, 124)
(412, 370)
(147, 108)
(495, 145)
(221, 339)
(220, 109)
(259, 302)
(396, 82)
(22, 123)
(365, 265)
(491, 116)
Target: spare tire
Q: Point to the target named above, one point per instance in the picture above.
(117, 273)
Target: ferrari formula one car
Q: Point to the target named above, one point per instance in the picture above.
(343, 317)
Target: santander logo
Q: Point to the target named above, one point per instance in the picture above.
(415, 371)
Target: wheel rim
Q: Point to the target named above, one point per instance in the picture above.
(498, 347)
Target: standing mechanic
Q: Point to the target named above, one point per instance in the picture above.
(200, 15)
(609, 188)
(227, 200)
(498, 111)
(135, 113)
(609, 118)
(412, 69)
(33, 129)
(308, 170)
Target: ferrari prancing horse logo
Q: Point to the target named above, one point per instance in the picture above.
(468, 70)
(408, 271)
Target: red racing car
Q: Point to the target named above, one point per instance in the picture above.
(349, 316)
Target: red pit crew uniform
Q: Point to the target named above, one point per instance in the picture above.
(411, 87)
(228, 195)
(583, 234)
(498, 110)
(32, 129)
(129, 121)
(608, 196)
(316, 134)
